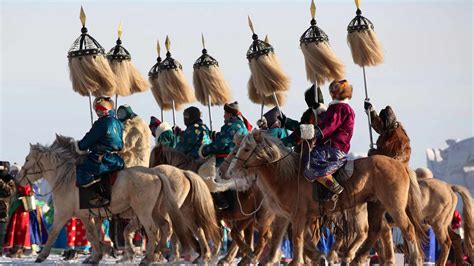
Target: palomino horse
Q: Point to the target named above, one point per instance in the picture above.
(439, 202)
(382, 182)
(242, 216)
(195, 201)
(138, 190)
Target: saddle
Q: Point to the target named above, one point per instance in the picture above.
(99, 194)
(341, 175)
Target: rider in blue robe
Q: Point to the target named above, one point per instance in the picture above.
(103, 142)
(195, 135)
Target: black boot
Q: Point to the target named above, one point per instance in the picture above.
(220, 201)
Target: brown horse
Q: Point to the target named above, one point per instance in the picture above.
(385, 184)
(249, 209)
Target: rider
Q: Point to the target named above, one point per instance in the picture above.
(333, 134)
(235, 123)
(195, 135)
(136, 138)
(103, 141)
(272, 124)
(163, 132)
(393, 140)
(315, 108)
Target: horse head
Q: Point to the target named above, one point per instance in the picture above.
(35, 164)
(255, 151)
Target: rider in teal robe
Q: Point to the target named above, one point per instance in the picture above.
(162, 132)
(103, 142)
(195, 135)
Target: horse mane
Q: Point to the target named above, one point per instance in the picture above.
(162, 154)
(284, 159)
(62, 152)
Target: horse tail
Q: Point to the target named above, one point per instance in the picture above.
(414, 207)
(203, 207)
(180, 226)
(467, 216)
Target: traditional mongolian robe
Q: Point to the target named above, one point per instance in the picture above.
(18, 235)
(224, 142)
(193, 138)
(136, 143)
(393, 141)
(333, 135)
(103, 141)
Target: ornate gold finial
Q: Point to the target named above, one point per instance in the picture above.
(158, 48)
(203, 42)
(167, 43)
(120, 30)
(251, 25)
(357, 4)
(266, 39)
(82, 16)
(313, 9)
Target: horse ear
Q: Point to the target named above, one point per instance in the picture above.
(57, 136)
(238, 139)
(31, 146)
(257, 135)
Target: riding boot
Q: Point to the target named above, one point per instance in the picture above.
(99, 200)
(3, 232)
(220, 201)
(330, 183)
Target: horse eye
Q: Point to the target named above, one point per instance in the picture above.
(246, 150)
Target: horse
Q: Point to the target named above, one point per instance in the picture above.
(240, 218)
(384, 183)
(138, 190)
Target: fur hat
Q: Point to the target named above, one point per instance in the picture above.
(125, 112)
(154, 123)
(272, 118)
(191, 115)
(340, 90)
(103, 105)
(232, 108)
(310, 99)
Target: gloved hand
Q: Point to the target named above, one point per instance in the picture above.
(368, 106)
(282, 119)
(307, 131)
(177, 131)
(262, 123)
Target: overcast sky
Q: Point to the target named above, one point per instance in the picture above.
(427, 76)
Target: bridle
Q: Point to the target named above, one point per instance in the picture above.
(42, 170)
(254, 150)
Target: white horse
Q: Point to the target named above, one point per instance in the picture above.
(137, 191)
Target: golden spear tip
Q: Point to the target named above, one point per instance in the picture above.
(120, 30)
(82, 17)
(158, 48)
(251, 25)
(203, 41)
(266, 39)
(167, 43)
(357, 2)
(313, 9)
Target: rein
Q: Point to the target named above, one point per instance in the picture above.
(37, 163)
(245, 166)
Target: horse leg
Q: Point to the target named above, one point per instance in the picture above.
(279, 229)
(361, 228)
(299, 228)
(58, 224)
(205, 255)
(408, 231)
(231, 253)
(444, 241)
(375, 212)
(332, 257)
(265, 235)
(387, 256)
(239, 235)
(151, 232)
(128, 233)
(93, 235)
(456, 241)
